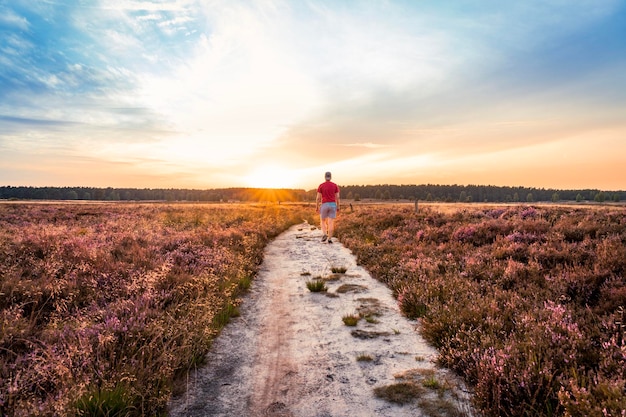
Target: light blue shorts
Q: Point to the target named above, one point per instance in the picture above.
(328, 211)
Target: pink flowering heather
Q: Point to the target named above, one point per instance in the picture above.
(104, 306)
(527, 303)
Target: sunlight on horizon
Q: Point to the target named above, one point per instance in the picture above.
(271, 176)
(272, 94)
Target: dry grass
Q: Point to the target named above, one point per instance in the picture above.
(355, 288)
(369, 308)
(103, 306)
(332, 277)
(351, 319)
(436, 399)
(400, 392)
(516, 297)
(316, 285)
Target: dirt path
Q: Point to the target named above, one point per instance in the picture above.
(290, 354)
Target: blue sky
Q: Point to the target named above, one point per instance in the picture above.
(205, 94)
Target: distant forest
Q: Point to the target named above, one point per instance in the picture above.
(429, 192)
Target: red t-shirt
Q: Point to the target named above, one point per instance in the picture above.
(328, 190)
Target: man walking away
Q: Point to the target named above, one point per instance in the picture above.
(328, 197)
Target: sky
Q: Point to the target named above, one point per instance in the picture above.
(273, 93)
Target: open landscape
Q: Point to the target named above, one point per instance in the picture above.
(165, 165)
(111, 308)
(526, 302)
(318, 336)
(104, 306)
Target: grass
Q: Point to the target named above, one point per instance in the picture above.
(369, 308)
(435, 398)
(338, 269)
(345, 288)
(331, 277)
(245, 283)
(430, 381)
(561, 268)
(400, 392)
(222, 318)
(364, 334)
(364, 358)
(371, 319)
(316, 285)
(439, 407)
(351, 319)
(111, 305)
(109, 403)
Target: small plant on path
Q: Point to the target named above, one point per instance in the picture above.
(345, 288)
(400, 393)
(351, 319)
(371, 319)
(316, 285)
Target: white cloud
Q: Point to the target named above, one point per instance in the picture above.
(140, 5)
(368, 145)
(397, 87)
(239, 89)
(10, 18)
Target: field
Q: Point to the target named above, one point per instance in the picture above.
(525, 302)
(103, 307)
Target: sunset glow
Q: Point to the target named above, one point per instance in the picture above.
(271, 177)
(195, 94)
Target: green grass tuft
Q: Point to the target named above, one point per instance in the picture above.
(351, 319)
(400, 393)
(222, 318)
(316, 285)
(371, 319)
(109, 403)
(432, 382)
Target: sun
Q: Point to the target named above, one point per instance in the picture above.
(271, 176)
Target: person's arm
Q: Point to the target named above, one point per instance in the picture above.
(337, 199)
(318, 200)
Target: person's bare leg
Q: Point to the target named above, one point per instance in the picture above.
(330, 227)
(324, 226)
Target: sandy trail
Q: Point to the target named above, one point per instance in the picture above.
(290, 354)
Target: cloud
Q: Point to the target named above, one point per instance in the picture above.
(9, 18)
(368, 145)
(20, 121)
(206, 89)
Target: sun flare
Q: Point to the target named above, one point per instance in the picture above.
(271, 176)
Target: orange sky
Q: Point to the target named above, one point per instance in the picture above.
(273, 94)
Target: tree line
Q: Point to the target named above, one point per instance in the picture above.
(151, 194)
(426, 192)
(476, 193)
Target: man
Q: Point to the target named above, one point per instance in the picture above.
(328, 197)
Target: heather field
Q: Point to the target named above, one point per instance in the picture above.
(103, 307)
(525, 302)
